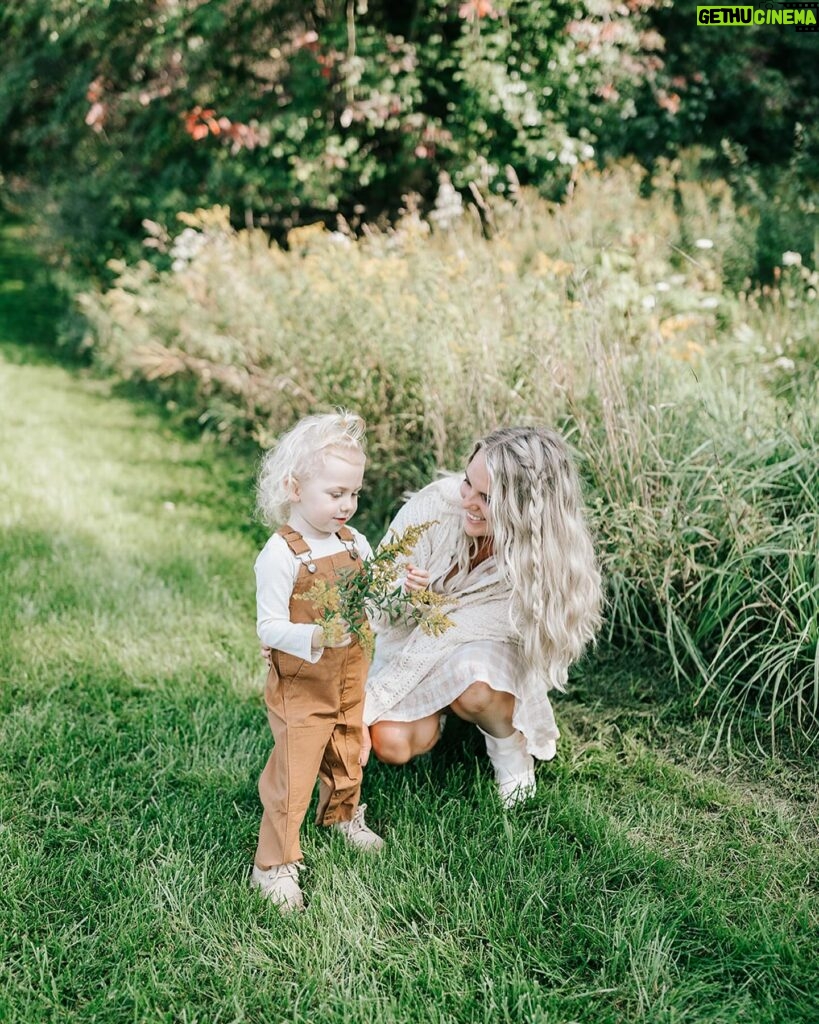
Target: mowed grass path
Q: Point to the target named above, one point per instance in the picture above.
(636, 886)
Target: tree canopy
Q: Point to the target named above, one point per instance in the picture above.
(125, 110)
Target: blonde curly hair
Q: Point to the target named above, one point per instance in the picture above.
(299, 454)
(542, 546)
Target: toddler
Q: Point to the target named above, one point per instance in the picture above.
(315, 686)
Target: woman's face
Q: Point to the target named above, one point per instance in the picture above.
(475, 497)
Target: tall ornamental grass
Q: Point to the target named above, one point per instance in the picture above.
(692, 407)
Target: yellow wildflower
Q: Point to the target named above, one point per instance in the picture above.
(373, 589)
(334, 629)
(325, 596)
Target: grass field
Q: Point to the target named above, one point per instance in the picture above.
(639, 885)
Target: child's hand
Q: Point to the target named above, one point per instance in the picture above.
(366, 747)
(417, 579)
(325, 638)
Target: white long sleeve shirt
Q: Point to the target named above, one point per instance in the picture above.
(277, 569)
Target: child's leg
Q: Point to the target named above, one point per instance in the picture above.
(340, 772)
(340, 784)
(286, 785)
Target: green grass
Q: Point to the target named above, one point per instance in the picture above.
(639, 885)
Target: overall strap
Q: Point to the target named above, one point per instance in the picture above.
(301, 549)
(345, 535)
(294, 540)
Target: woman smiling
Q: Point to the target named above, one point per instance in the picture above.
(509, 543)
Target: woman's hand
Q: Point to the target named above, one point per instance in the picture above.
(267, 653)
(366, 747)
(416, 579)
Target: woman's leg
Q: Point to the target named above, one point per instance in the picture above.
(491, 710)
(399, 742)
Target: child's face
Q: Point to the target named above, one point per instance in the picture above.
(322, 503)
(475, 497)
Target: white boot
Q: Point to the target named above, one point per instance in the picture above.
(514, 767)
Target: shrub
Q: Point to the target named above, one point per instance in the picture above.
(604, 315)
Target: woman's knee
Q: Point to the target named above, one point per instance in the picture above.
(391, 742)
(399, 742)
(476, 699)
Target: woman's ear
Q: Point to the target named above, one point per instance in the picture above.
(291, 485)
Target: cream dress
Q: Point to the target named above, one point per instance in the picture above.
(414, 675)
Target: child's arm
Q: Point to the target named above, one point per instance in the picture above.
(276, 571)
(320, 639)
(317, 644)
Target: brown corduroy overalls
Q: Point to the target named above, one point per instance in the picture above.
(315, 713)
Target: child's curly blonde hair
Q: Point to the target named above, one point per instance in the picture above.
(297, 456)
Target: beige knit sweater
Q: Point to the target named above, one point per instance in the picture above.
(405, 657)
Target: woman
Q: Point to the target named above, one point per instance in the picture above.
(510, 545)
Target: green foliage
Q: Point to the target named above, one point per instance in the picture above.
(710, 544)
(757, 87)
(118, 113)
(285, 111)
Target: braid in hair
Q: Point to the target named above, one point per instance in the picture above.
(539, 592)
(542, 546)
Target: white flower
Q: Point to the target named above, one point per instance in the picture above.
(791, 259)
(711, 302)
(448, 203)
(186, 247)
(663, 286)
(704, 243)
(649, 302)
(784, 363)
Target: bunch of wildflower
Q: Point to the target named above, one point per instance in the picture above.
(429, 608)
(373, 591)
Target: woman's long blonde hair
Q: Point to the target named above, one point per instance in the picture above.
(542, 546)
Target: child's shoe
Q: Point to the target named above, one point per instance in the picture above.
(357, 833)
(280, 885)
(514, 768)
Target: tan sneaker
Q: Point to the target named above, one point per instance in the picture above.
(280, 885)
(357, 833)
